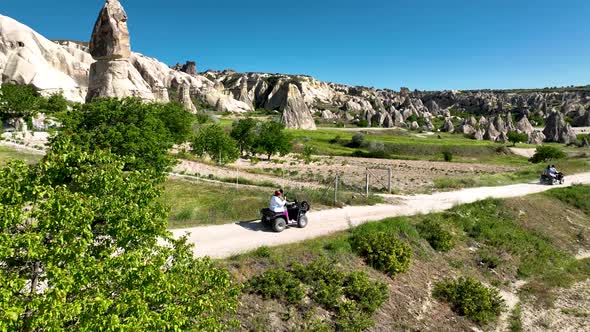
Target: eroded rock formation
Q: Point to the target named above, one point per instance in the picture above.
(113, 75)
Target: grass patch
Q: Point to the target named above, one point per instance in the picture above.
(577, 196)
(7, 154)
(194, 204)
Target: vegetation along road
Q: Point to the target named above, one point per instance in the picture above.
(226, 240)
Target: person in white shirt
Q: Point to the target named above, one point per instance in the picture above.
(277, 204)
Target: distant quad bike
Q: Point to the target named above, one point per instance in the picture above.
(276, 220)
(549, 180)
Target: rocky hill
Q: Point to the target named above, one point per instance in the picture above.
(26, 57)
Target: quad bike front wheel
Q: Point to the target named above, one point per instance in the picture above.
(279, 225)
(302, 223)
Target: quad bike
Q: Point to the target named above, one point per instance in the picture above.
(547, 179)
(276, 220)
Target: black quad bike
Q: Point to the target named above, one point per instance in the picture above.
(547, 179)
(276, 220)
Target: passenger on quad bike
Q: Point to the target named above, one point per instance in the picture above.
(278, 203)
(552, 176)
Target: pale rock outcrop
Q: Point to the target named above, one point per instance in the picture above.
(479, 134)
(509, 123)
(502, 138)
(536, 137)
(557, 130)
(28, 58)
(398, 119)
(491, 132)
(499, 124)
(483, 122)
(328, 115)
(524, 126)
(296, 115)
(184, 97)
(467, 129)
(113, 75)
(414, 125)
(448, 126)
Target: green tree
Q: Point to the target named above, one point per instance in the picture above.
(176, 119)
(55, 104)
(141, 133)
(18, 101)
(244, 132)
(546, 153)
(213, 141)
(272, 139)
(81, 246)
(516, 137)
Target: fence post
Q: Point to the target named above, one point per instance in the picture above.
(336, 190)
(389, 174)
(237, 179)
(367, 183)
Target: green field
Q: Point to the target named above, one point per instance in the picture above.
(400, 144)
(7, 154)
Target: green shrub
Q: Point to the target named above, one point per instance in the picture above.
(546, 153)
(213, 141)
(447, 155)
(279, 284)
(351, 319)
(358, 139)
(367, 294)
(336, 140)
(382, 251)
(262, 252)
(439, 238)
(371, 154)
(489, 259)
(325, 280)
(469, 297)
(363, 123)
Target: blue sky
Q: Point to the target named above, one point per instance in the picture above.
(422, 44)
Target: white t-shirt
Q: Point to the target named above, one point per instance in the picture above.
(277, 204)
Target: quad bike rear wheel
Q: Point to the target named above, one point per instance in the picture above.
(302, 223)
(279, 224)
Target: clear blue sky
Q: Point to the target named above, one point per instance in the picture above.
(423, 44)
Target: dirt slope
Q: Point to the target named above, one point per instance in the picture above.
(225, 240)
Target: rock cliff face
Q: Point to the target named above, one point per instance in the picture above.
(113, 75)
(28, 58)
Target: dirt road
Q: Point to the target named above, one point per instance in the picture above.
(225, 240)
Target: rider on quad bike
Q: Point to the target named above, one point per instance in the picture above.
(278, 203)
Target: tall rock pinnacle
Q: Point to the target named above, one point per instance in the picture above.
(113, 75)
(110, 38)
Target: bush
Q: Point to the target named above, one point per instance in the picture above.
(545, 153)
(367, 294)
(516, 137)
(350, 318)
(372, 154)
(18, 101)
(438, 238)
(469, 297)
(277, 283)
(357, 140)
(447, 155)
(336, 140)
(382, 251)
(325, 280)
(363, 123)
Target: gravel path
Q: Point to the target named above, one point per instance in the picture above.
(226, 240)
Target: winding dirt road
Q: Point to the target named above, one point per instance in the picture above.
(225, 240)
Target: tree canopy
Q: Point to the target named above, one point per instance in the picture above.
(213, 141)
(83, 248)
(140, 133)
(18, 101)
(272, 139)
(244, 132)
